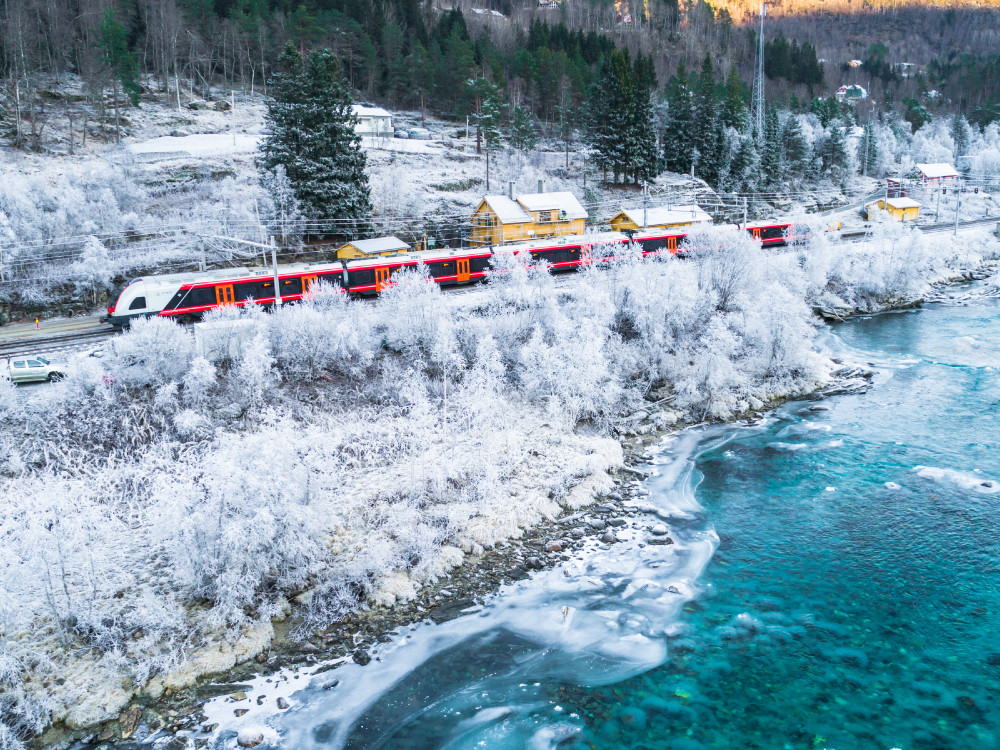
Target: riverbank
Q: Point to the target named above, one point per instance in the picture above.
(279, 642)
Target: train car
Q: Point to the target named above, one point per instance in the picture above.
(188, 296)
(447, 267)
(770, 233)
(659, 242)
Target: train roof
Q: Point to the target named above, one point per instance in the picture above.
(769, 223)
(417, 256)
(236, 274)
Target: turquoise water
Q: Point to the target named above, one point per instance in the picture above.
(835, 584)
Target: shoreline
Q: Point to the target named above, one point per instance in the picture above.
(467, 585)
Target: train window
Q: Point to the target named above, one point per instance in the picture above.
(139, 303)
(772, 233)
(292, 286)
(204, 296)
(246, 291)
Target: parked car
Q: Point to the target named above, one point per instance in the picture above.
(34, 370)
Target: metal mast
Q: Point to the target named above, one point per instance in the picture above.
(757, 105)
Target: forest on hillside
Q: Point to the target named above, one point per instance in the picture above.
(408, 53)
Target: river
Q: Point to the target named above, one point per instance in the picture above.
(834, 583)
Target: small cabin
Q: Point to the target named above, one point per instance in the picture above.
(900, 209)
(499, 219)
(372, 121)
(658, 217)
(937, 174)
(372, 248)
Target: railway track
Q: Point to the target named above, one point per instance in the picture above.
(55, 343)
(75, 340)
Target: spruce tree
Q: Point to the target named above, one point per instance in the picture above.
(522, 129)
(794, 146)
(677, 143)
(961, 135)
(744, 171)
(834, 152)
(311, 134)
(868, 151)
(611, 122)
(734, 106)
(770, 157)
(643, 157)
(705, 124)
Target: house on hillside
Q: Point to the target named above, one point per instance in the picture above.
(851, 94)
(371, 248)
(503, 218)
(937, 174)
(900, 209)
(658, 217)
(372, 121)
(904, 69)
(855, 63)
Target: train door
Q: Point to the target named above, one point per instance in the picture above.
(308, 282)
(224, 294)
(381, 279)
(756, 233)
(672, 244)
(463, 271)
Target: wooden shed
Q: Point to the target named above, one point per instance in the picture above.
(372, 248)
(499, 218)
(900, 209)
(658, 217)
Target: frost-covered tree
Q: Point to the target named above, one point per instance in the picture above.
(770, 158)
(677, 141)
(868, 155)
(961, 135)
(311, 134)
(794, 146)
(285, 212)
(94, 270)
(522, 129)
(834, 152)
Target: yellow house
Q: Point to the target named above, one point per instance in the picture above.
(900, 209)
(658, 217)
(371, 248)
(499, 218)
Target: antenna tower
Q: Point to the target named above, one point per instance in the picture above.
(757, 105)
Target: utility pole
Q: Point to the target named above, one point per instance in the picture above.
(274, 262)
(957, 207)
(645, 203)
(201, 247)
(937, 208)
(744, 213)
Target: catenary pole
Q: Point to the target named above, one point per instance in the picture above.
(274, 262)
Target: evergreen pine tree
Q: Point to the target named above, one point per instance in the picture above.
(677, 143)
(868, 151)
(734, 106)
(834, 152)
(961, 135)
(611, 125)
(770, 157)
(522, 130)
(794, 146)
(486, 112)
(705, 123)
(643, 157)
(744, 171)
(311, 134)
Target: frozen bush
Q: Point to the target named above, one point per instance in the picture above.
(153, 351)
